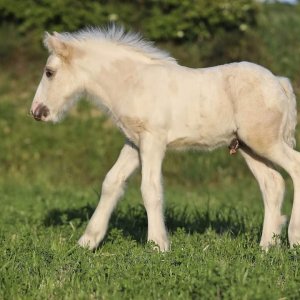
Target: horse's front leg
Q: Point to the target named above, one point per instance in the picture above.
(112, 189)
(152, 150)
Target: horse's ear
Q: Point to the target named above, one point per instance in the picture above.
(56, 45)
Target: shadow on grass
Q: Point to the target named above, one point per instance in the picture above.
(132, 220)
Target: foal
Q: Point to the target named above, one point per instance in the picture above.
(159, 104)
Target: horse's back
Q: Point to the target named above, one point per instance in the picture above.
(238, 98)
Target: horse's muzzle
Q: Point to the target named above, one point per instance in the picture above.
(40, 112)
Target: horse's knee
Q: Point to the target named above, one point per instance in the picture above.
(275, 184)
(112, 182)
(151, 192)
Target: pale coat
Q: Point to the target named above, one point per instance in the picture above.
(159, 104)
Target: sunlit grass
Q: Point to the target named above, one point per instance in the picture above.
(50, 183)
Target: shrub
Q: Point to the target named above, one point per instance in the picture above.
(172, 20)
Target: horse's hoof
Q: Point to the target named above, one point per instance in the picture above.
(88, 242)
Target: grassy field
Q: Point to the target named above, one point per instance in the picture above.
(50, 179)
(50, 188)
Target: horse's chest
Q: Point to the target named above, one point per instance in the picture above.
(132, 128)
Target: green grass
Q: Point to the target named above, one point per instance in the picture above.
(50, 187)
(50, 180)
(214, 254)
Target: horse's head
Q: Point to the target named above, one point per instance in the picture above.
(60, 84)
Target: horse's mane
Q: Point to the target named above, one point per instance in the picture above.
(118, 35)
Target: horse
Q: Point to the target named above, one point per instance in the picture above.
(159, 105)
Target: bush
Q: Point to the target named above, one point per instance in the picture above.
(190, 20)
(172, 20)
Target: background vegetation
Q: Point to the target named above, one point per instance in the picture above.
(50, 175)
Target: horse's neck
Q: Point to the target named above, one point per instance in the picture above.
(109, 81)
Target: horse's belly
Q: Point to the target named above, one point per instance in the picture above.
(206, 137)
(200, 143)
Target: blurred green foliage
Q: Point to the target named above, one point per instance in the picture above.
(176, 20)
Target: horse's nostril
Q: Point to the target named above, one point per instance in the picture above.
(40, 111)
(45, 111)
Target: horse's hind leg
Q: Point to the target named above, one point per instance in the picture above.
(278, 152)
(272, 187)
(266, 130)
(289, 159)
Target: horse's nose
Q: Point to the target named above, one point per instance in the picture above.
(40, 111)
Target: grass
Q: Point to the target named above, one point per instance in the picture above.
(214, 255)
(50, 183)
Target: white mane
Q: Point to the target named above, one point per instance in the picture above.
(118, 35)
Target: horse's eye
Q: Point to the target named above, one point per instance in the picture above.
(49, 73)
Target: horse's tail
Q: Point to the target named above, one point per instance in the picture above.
(289, 129)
